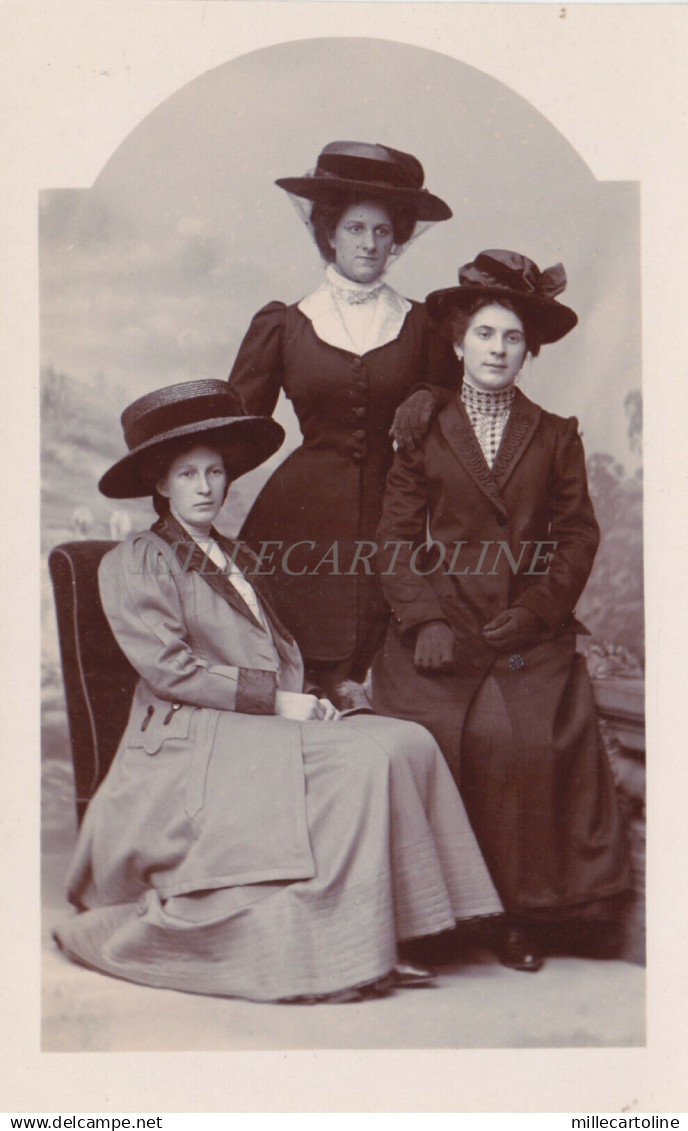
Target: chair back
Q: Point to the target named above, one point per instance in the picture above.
(99, 681)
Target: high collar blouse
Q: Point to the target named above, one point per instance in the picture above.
(357, 317)
(488, 411)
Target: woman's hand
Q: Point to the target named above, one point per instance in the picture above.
(412, 419)
(304, 708)
(434, 647)
(514, 628)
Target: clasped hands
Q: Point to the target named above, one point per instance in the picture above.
(435, 642)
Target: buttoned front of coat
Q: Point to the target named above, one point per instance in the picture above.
(522, 533)
(329, 491)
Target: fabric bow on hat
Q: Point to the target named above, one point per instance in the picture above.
(515, 272)
(500, 274)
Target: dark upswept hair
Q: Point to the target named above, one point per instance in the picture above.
(326, 215)
(160, 460)
(457, 319)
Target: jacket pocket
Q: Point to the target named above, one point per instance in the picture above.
(159, 721)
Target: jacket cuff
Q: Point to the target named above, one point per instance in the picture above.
(256, 692)
(407, 620)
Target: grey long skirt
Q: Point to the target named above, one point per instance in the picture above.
(395, 859)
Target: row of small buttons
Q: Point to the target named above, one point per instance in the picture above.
(359, 391)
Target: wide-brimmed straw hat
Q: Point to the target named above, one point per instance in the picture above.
(347, 168)
(207, 412)
(507, 274)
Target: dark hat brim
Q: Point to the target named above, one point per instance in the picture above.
(550, 319)
(330, 190)
(245, 441)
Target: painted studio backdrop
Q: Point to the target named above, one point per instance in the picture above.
(151, 275)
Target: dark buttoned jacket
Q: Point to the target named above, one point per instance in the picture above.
(520, 533)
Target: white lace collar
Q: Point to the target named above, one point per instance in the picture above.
(329, 308)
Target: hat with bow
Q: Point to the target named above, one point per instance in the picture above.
(507, 274)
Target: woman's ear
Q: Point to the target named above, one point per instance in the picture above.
(162, 488)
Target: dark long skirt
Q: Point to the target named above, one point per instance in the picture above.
(525, 750)
(537, 784)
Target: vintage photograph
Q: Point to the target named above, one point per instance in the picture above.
(342, 571)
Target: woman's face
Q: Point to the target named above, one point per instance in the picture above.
(493, 349)
(196, 485)
(362, 241)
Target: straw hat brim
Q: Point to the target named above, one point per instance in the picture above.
(329, 190)
(246, 441)
(551, 319)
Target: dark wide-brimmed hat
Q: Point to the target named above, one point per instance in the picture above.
(506, 274)
(205, 412)
(347, 168)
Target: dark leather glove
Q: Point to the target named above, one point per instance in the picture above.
(434, 647)
(412, 419)
(515, 628)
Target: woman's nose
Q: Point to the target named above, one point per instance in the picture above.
(203, 484)
(498, 345)
(368, 239)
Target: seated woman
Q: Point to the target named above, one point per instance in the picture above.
(482, 644)
(247, 841)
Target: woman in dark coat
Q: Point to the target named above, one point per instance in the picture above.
(482, 644)
(247, 841)
(347, 355)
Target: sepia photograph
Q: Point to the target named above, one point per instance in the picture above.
(341, 541)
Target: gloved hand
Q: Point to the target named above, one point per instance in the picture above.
(434, 647)
(412, 419)
(515, 628)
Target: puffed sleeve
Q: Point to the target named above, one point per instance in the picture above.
(257, 372)
(401, 536)
(141, 600)
(574, 534)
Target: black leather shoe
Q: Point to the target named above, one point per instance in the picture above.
(517, 951)
(409, 976)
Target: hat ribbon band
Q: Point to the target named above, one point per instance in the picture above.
(348, 168)
(165, 418)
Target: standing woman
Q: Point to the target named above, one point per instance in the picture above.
(346, 356)
(482, 644)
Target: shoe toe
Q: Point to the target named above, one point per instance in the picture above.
(409, 975)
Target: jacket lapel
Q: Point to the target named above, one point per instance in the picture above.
(458, 432)
(523, 420)
(192, 558)
(246, 561)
